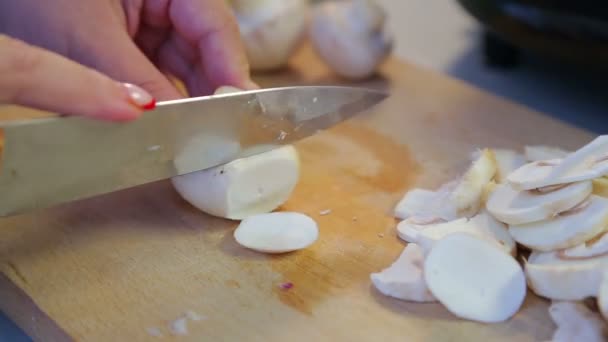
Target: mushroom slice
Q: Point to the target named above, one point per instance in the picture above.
(414, 202)
(467, 196)
(587, 163)
(427, 204)
(541, 152)
(482, 225)
(507, 161)
(602, 296)
(473, 279)
(518, 207)
(277, 232)
(575, 322)
(566, 230)
(404, 278)
(557, 278)
(590, 249)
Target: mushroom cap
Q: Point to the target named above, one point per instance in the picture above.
(350, 36)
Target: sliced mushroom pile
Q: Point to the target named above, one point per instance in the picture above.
(551, 202)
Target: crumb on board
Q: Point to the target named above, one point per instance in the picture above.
(325, 212)
(154, 331)
(193, 316)
(153, 148)
(179, 326)
(380, 235)
(355, 218)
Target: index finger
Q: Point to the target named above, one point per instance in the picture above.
(211, 26)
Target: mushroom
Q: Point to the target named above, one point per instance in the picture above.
(256, 183)
(555, 277)
(271, 30)
(474, 279)
(482, 225)
(350, 36)
(541, 152)
(277, 232)
(568, 229)
(575, 322)
(519, 207)
(404, 279)
(243, 187)
(468, 194)
(587, 163)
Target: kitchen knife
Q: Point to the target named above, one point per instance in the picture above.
(48, 161)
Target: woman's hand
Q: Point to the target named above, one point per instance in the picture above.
(138, 41)
(38, 78)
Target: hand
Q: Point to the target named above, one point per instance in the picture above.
(139, 41)
(37, 78)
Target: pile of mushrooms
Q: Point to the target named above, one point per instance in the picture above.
(249, 189)
(350, 36)
(463, 238)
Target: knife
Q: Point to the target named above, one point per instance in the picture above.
(49, 161)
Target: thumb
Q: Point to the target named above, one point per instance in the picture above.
(38, 78)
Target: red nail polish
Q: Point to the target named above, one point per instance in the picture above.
(149, 106)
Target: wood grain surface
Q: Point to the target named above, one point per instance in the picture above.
(125, 266)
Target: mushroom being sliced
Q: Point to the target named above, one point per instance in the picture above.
(575, 322)
(541, 152)
(568, 229)
(474, 279)
(518, 207)
(562, 279)
(586, 163)
(404, 278)
(482, 225)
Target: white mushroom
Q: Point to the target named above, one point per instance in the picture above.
(518, 207)
(468, 194)
(507, 161)
(575, 322)
(243, 187)
(350, 36)
(602, 296)
(584, 164)
(541, 152)
(482, 225)
(474, 279)
(568, 229)
(558, 278)
(258, 183)
(404, 279)
(277, 232)
(271, 30)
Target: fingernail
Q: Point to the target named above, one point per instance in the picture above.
(140, 97)
(250, 85)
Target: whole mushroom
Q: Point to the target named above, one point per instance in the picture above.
(271, 30)
(350, 36)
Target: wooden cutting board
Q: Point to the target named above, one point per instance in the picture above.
(126, 266)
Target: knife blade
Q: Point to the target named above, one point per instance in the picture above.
(49, 161)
